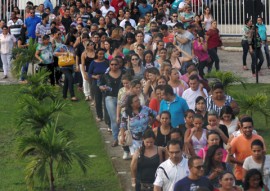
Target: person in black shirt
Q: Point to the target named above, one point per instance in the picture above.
(66, 20)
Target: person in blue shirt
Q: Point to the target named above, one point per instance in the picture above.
(144, 8)
(263, 34)
(174, 104)
(31, 23)
(48, 4)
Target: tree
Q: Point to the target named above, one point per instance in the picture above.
(22, 56)
(51, 154)
(226, 78)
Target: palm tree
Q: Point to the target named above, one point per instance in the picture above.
(226, 78)
(51, 154)
(22, 56)
(36, 114)
(250, 104)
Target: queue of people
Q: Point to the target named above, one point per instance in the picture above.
(143, 70)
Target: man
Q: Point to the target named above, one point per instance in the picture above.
(95, 19)
(66, 20)
(83, 14)
(195, 179)
(43, 28)
(144, 8)
(106, 8)
(173, 169)
(173, 21)
(240, 147)
(127, 18)
(176, 105)
(141, 23)
(196, 89)
(15, 25)
(40, 11)
(167, 37)
(51, 15)
(48, 4)
(182, 5)
(31, 23)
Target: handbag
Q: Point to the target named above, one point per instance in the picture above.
(127, 136)
(66, 60)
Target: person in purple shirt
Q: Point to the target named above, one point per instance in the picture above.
(96, 69)
(31, 23)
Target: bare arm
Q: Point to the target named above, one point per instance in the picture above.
(85, 76)
(181, 40)
(157, 188)
(133, 166)
(37, 56)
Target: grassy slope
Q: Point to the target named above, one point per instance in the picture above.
(100, 176)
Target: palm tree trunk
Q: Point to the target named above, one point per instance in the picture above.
(51, 175)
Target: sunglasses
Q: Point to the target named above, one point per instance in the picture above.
(199, 167)
(32, 12)
(134, 59)
(114, 64)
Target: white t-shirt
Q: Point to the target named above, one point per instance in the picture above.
(231, 127)
(173, 172)
(190, 96)
(105, 11)
(6, 43)
(123, 22)
(249, 163)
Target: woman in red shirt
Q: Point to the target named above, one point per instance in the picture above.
(213, 42)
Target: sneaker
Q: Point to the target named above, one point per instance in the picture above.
(5, 77)
(126, 156)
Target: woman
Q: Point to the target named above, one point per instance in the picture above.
(110, 84)
(120, 16)
(207, 18)
(162, 132)
(175, 58)
(7, 42)
(145, 162)
(108, 48)
(139, 36)
(228, 119)
(137, 66)
(154, 103)
(44, 54)
(159, 45)
(195, 137)
(140, 50)
(128, 41)
(117, 34)
(213, 138)
(102, 23)
(67, 70)
(226, 182)
(138, 118)
(247, 30)
(87, 57)
(151, 83)
(254, 181)
(23, 44)
(148, 60)
(258, 160)
(200, 50)
(214, 166)
(218, 99)
(198, 25)
(97, 68)
(111, 16)
(200, 108)
(213, 41)
(161, 57)
(178, 85)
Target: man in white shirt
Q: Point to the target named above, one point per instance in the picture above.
(171, 170)
(127, 18)
(196, 89)
(106, 8)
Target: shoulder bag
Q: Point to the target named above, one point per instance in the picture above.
(127, 136)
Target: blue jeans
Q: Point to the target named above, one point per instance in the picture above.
(24, 72)
(111, 103)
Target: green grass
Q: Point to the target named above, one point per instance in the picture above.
(100, 176)
(259, 120)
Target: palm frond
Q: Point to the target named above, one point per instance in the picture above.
(226, 78)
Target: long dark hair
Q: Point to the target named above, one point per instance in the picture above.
(249, 174)
(129, 110)
(209, 158)
(147, 134)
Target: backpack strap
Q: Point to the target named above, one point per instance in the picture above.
(164, 172)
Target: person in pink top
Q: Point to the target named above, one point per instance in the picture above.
(213, 138)
(200, 50)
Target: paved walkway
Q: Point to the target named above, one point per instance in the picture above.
(229, 61)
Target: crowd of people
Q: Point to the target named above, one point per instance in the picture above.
(142, 66)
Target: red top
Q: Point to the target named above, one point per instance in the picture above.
(214, 38)
(154, 105)
(118, 4)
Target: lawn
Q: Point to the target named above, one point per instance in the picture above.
(259, 121)
(100, 176)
